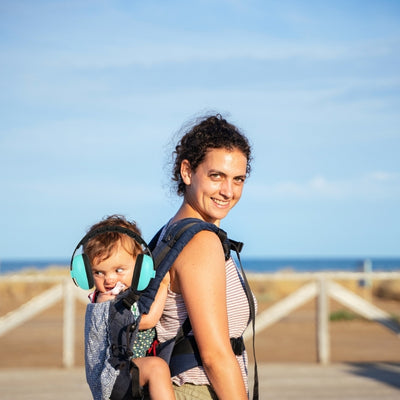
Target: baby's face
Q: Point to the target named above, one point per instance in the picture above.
(116, 268)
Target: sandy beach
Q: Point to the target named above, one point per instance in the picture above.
(38, 341)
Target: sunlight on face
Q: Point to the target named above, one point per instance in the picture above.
(216, 185)
(118, 267)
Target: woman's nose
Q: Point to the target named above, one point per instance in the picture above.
(226, 188)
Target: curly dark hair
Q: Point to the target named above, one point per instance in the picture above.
(101, 246)
(212, 132)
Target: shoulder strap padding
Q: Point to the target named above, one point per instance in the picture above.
(176, 237)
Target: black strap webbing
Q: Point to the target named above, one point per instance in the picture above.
(228, 244)
(170, 242)
(237, 246)
(137, 392)
(187, 346)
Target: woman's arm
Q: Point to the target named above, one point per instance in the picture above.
(199, 274)
(149, 320)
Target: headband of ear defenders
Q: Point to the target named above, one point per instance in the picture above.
(81, 270)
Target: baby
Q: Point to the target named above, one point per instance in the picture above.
(112, 257)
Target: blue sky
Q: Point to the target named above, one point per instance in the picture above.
(92, 93)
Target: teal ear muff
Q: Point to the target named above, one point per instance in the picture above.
(144, 272)
(81, 270)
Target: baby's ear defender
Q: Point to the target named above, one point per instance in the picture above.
(81, 270)
(143, 273)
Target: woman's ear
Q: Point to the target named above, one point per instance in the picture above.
(186, 172)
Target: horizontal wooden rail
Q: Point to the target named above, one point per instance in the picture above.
(63, 290)
(30, 309)
(321, 285)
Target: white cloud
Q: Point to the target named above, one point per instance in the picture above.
(383, 176)
(174, 48)
(372, 186)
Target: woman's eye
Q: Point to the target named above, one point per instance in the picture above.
(215, 176)
(239, 179)
(119, 270)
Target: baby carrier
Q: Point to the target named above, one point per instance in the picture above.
(111, 327)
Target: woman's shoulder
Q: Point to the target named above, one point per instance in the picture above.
(206, 241)
(191, 231)
(203, 250)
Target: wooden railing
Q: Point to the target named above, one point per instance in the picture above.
(63, 289)
(320, 285)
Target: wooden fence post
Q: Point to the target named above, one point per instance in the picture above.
(69, 325)
(323, 340)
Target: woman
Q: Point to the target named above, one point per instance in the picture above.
(212, 162)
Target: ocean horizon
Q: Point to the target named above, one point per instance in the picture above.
(255, 265)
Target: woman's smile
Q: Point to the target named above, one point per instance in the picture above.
(215, 187)
(221, 203)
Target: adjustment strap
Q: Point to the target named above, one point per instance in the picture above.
(237, 345)
(137, 392)
(169, 243)
(129, 298)
(236, 246)
(186, 343)
(252, 314)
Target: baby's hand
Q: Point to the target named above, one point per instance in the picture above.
(110, 294)
(105, 296)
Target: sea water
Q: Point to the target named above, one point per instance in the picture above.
(320, 264)
(259, 265)
(12, 266)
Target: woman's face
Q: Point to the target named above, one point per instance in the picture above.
(216, 185)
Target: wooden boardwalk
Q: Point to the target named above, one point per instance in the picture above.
(277, 381)
(332, 382)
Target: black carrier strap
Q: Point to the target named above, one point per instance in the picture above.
(172, 240)
(237, 247)
(185, 344)
(134, 390)
(122, 335)
(164, 254)
(166, 250)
